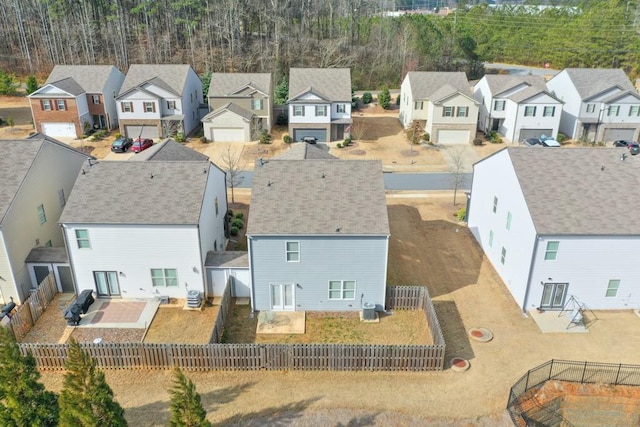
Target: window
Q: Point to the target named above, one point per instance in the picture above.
(46, 104)
(298, 110)
(61, 104)
(490, 238)
(504, 255)
(164, 277)
(508, 220)
(418, 105)
(549, 112)
(342, 289)
(149, 107)
(495, 204)
(551, 253)
(61, 199)
(127, 107)
(634, 110)
(171, 105)
(42, 217)
(591, 108)
(612, 288)
(215, 245)
(447, 112)
(82, 238)
(462, 112)
(256, 104)
(96, 99)
(340, 108)
(498, 105)
(321, 110)
(614, 110)
(293, 251)
(529, 111)
(216, 203)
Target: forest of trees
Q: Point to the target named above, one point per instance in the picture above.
(273, 35)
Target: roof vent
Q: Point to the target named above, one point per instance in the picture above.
(323, 174)
(204, 170)
(602, 168)
(151, 176)
(623, 157)
(83, 172)
(337, 229)
(269, 183)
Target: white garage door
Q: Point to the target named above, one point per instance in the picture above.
(453, 137)
(615, 134)
(59, 129)
(135, 131)
(228, 135)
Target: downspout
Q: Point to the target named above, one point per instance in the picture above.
(253, 284)
(66, 247)
(531, 266)
(386, 265)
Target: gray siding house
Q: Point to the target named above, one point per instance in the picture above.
(318, 235)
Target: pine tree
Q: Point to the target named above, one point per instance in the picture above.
(384, 98)
(281, 92)
(86, 399)
(23, 400)
(32, 84)
(186, 408)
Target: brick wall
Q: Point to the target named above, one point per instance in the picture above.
(70, 114)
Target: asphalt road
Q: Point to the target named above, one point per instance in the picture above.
(522, 70)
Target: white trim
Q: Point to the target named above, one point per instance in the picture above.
(287, 251)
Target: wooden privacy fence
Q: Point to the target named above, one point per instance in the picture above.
(218, 326)
(27, 314)
(217, 356)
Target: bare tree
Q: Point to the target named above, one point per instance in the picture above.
(456, 168)
(415, 134)
(232, 165)
(358, 129)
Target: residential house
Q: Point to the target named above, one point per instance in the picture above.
(560, 223)
(442, 103)
(168, 150)
(517, 107)
(599, 104)
(159, 100)
(319, 103)
(240, 104)
(36, 178)
(326, 248)
(76, 99)
(150, 239)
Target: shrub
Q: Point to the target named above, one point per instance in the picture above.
(233, 231)
(367, 98)
(339, 145)
(398, 100)
(346, 142)
(230, 213)
(118, 135)
(264, 137)
(477, 141)
(355, 102)
(384, 98)
(237, 222)
(462, 214)
(179, 137)
(203, 139)
(281, 120)
(240, 215)
(10, 121)
(32, 84)
(287, 139)
(426, 137)
(561, 137)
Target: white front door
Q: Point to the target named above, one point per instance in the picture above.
(282, 297)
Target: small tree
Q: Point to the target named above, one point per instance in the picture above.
(206, 82)
(456, 165)
(384, 98)
(86, 398)
(23, 400)
(8, 84)
(32, 84)
(265, 137)
(186, 407)
(232, 164)
(281, 92)
(358, 129)
(367, 98)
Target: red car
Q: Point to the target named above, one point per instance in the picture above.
(141, 144)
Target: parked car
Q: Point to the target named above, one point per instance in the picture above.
(550, 142)
(633, 147)
(531, 142)
(141, 144)
(121, 145)
(309, 139)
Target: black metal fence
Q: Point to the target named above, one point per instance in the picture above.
(567, 370)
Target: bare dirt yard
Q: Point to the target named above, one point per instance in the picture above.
(176, 325)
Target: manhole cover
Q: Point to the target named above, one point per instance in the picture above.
(480, 334)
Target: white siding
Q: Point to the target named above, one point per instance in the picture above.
(482, 95)
(111, 88)
(515, 119)
(310, 114)
(191, 103)
(563, 88)
(212, 224)
(7, 286)
(334, 110)
(218, 278)
(227, 119)
(406, 103)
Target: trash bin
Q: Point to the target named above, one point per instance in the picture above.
(72, 315)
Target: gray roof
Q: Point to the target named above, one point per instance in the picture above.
(578, 196)
(225, 84)
(318, 197)
(168, 76)
(68, 85)
(123, 192)
(528, 93)
(426, 84)
(499, 83)
(45, 254)
(169, 150)
(302, 150)
(333, 84)
(92, 78)
(592, 81)
(227, 259)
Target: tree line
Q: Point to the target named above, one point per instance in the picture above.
(274, 35)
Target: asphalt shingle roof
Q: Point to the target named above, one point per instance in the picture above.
(124, 192)
(169, 76)
(225, 84)
(318, 197)
(499, 83)
(43, 254)
(69, 85)
(169, 150)
(227, 259)
(334, 84)
(92, 78)
(426, 84)
(302, 151)
(592, 81)
(583, 191)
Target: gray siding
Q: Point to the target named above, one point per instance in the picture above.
(362, 259)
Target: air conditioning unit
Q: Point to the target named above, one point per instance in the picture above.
(368, 311)
(193, 299)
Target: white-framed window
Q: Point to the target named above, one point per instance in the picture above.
(418, 105)
(292, 250)
(167, 277)
(61, 104)
(96, 99)
(321, 110)
(503, 256)
(498, 105)
(82, 239)
(490, 238)
(551, 252)
(508, 221)
(256, 104)
(342, 289)
(591, 108)
(612, 288)
(462, 112)
(127, 107)
(549, 112)
(634, 110)
(495, 204)
(341, 108)
(530, 111)
(171, 105)
(61, 198)
(216, 203)
(46, 104)
(298, 110)
(614, 110)
(149, 107)
(447, 111)
(42, 217)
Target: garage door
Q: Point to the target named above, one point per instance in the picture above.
(453, 137)
(59, 129)
(614, 134)
(534, 133)
(134, 132)
(320, 134)
(228, 135)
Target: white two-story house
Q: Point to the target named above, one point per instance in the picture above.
(600, 105)
(517, 107)
(442, 102)
(159, 100)
(319, 103)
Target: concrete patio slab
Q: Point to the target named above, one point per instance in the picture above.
(121, 313)
(281, 322)
(559, 322)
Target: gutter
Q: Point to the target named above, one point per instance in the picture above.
(531, 267)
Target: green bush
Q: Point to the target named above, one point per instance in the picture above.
(287, 139)
(426, 137)
(367, 98)
(32, 84)
(561, 137)
(240, 215)
(462, 214)
(230, 213)
(355, 102)
(398, 100)
(237, 222)
(118, 135)
(10, 121)
(281, 120)
(203, 139)
(233, 231)
(179, 137)
(346, 142)
(384, 98)
(264, 137)
(339, 145)
(477, 141)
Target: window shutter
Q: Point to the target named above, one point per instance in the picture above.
(64, 101)
(55, 104)
(154, 107)
(122, 107)
(42, 105)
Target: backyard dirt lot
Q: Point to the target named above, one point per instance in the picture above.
(175, 325)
